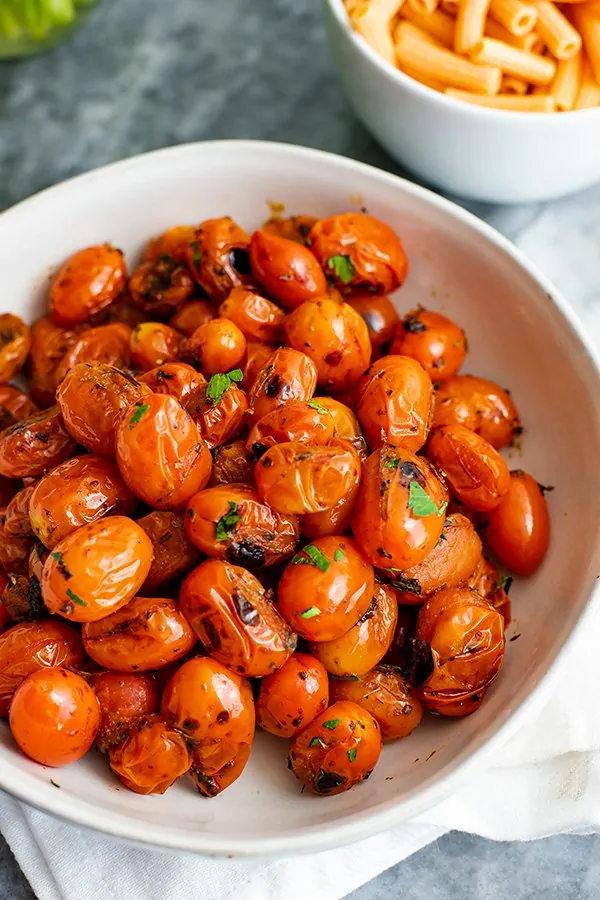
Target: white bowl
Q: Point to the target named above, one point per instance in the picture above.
(520, 332)
(472, 151)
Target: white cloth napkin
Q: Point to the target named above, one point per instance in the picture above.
(546, 780)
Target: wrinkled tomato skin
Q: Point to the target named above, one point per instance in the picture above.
(174, 378)
(151, 758)
(54, 716)
(376, 258)
(173, 242)
(335, 596)
(288, 271)
(518, 529)
(292, 697)
(124, 699)
(345, 424)
(108, 344)
(79, 491)
(217, 346)
(192, 315)
(478, 404)
(432, 340)
(389, 531)
(486, 581)
(293, 228)
(219, 422)
(236, 619)
(146, 634)
(97, 569)
(218, 257)
(387, 695)
(257, 356)
(330, 521)
(16, 517)
(160, 452)
(91, 399)
(399, 655)
(159, 287)
(379, 315)
(367, 642)
(287, 375)
(86, 283)
(15, 406)
(395, 397)
(232, 464)
(258, 537)
(49, 343)
(22, 599)
(335, 337)
(474, 470)
(213, 785)
(297, 420)
(35, 445)
(13, 551)
(257, 318)
(4, 616)
(339, 749)
(15, 344)
(174, 553)
(154, 344)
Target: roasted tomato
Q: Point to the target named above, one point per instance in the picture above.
(326, 588)
(380, 317)
(330, 521)
(232, 522)
(461, 638)
(97, 569)
(14, 406)
(14, 551)
(288, 271)
(518, 529)
(124, 699)
(77, 492)
(387, 695)
(287, 375)
(54, 716)
(218, 257)
(399, 512)
(291, 698)
(4, 616)
(35, 445)
(297, 478)
(257, 356)
(395, 403)
(151, 758)
(298, 420)
(16, 517)
(345, 424)
(232, 464)
(487, 582)
(475, 471)
(367, 642)
(87, 282)
(450, 564)
(176, 379)
(478, 404)
(257, 318)
(173, 242)
(236, 619)
(22, 599)
(359, 251)
(146, 634)
(192, 315)
(294, 228)
(123, 311)
(335, 337)
(154, 344)
(35, 560)
(174, 553)
(49, 343)
(161, 286)
(219, 418)
(337, 750)
(91, 399)
(160, 453)
(108, 344)
(15, 344)
(214, 709)
(217, 346)
(433, 340)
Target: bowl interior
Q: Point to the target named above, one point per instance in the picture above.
(517, 335)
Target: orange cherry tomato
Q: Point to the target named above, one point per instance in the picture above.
(330, 521)
(174, 378)
(151, 758)
(359, 251)
(123, 311)
(22, 599)
(288, 271)
(174, 553)
(291, 698)
(159, 287)
(294, 228)
(475, 471)
(298, 420)
(14, 551)
(257, 318)
(35, 445)
(433, 340)
(218, 420)
(86, 283)
(218, 257)
(15, 344)
(54, 716)
(326, 588)
(14, 406)
(345, 424)
(380, 317)
(400, 653)
(16, 516)
(154, 344)
(387, 695)
(192, 315)
(124, 699)
(217, 346)
(173, 242)
(257, 356)
(97, 569)
(160, 453)
(339, 749)
(478, 404)
(4, 615)
(108, 344)
(287, 375)
(232, 522)
(236, 619)
(518, 529)
(487, 582)
(49, 343)
(399, 513)
(395, 403)
(232, 464)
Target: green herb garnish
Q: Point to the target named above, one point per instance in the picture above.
(504, 584)
(392, 463)
(343, 268)
(315, 558)
(339, 555)
(220, 383)
(318, 406)
(196, 255)
(318, 742)
(142, 408)
(331, 724)
(420, 502)
(227, 522)
(75, 598)
(310, 613)
(351, 754)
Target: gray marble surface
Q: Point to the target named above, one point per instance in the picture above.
(144, 74)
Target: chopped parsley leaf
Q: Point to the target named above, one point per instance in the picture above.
(142, 408)
(220, 383)
(314, 404)
(318, 742)
(504, 584)
(331, 724)
(196, 255)
(315, 558)
(392, 463)
(227, 522)
(75, 598)
(310, 613)
(351, 754)
(343, 268)
(339, 555)
(419, 501)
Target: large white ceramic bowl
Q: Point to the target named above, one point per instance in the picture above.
(520, 333)
(485, 154)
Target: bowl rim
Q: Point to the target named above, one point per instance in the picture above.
(353, 827)
(400, 78)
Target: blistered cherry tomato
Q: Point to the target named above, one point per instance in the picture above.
(217, 346)
(345, 424)
(339, 749)
(518, 529)
(97, 569)
(22, 599)
(14, 406)
(108, 344)
(35, 445)
(173, 242)
(87, 282)
(475, 471)
(330, 521)
(160, 453)
(487, 582)
(298, 420)
(159, 287)
(387, 695)
(433, 340)
(359, 251)
(153, 344)
(16, 517)
(292, 697)
(399, 513)
(288, 271)
(232, 464)
(399, 654)
(380, 317)
(257, 356)
(478, 404)
(192, 315)
(123, 311)
(124, 699)
(174, 378)
(294, 228)
(218, 420)
(395, 403)
(49, 343)
(174, 553)
(287, 375)
(4, 615)
(257, 318)
(15, 343)
(218, 257)
(151, 758)
(14, 551)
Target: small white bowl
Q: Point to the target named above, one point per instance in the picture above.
(521, 332)
(471, 151)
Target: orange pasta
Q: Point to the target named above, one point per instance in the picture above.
(512, 85)
(589, 89)
(566, 83)
(437, 24)
(556, 31)
(522, 41)
(371, 19)
(541, 103)
(512, 61)
(587, 21)
(517, 17)
(423, 6)
(470, 24)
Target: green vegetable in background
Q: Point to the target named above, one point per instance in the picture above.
(36, 19)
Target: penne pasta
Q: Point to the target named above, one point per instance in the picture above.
(423, 6)
(522, 41)
(428, 82)
(437, 24)
(512, 61)
(566, 83)
(542, 103)
(518, 18)
(512, 85)
(371, 19)
(450, 7)
(418, 34)
(587, 20)
(589, 89)
(470, 24)
(562, 40)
